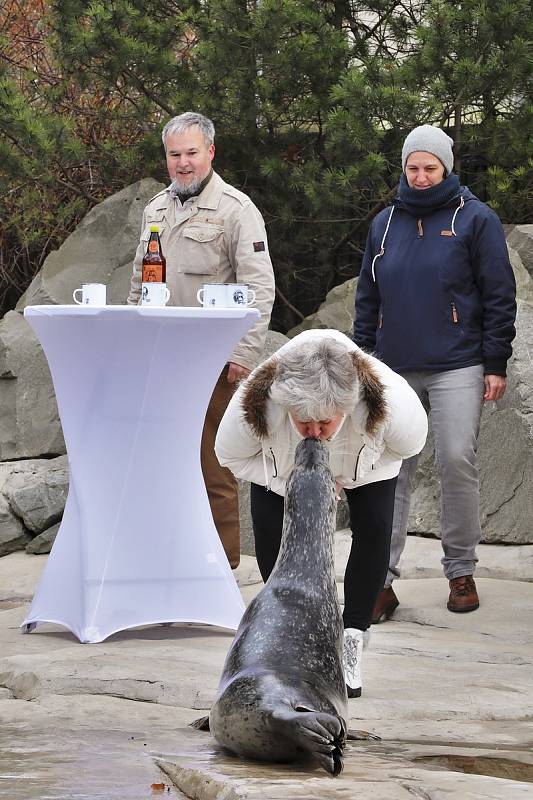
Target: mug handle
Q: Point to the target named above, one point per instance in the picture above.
(250, 302)
(167, 295)
(79, 302)
(199, 296)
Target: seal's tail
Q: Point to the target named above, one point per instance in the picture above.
(322, 735)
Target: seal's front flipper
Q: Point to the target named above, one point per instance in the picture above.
(362, 736)
(320, 734)
(201, 724)
(332, 763)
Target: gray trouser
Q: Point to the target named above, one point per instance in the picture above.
(454, 401)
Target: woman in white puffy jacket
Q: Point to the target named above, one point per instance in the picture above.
(321, 385)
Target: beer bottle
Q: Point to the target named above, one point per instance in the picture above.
(154, 266)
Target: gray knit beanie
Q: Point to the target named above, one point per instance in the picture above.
(429, 139)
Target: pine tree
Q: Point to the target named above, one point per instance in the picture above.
(311, 100)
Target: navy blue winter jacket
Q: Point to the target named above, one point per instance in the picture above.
(442, 294)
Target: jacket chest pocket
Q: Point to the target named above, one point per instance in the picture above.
(201, 249)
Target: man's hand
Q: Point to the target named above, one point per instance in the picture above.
(236, 372)
(495, 386)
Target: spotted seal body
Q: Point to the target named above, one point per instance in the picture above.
(282, 692)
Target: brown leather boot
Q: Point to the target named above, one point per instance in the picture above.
(385, 605)
(463, 594)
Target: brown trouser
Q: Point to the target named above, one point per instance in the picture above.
(219, 481)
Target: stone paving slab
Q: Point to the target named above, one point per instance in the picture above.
(448, 694)
(422, 555)
(373, 776)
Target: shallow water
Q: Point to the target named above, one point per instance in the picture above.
(105, 765)
(491, 766)
(114, 765)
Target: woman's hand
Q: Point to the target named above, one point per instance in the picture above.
(495, 386)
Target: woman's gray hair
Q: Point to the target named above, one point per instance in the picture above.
(188, 120)
(316, 380)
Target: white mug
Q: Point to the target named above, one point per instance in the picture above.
(92, 294)
(154, 294)
(225, 295)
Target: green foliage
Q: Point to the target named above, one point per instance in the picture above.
(311, 100)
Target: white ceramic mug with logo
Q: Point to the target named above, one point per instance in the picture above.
(154, 294)
(92, 294)
(225, 295)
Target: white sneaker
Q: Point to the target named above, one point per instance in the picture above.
(352, 655)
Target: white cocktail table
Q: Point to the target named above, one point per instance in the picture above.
(137, 544)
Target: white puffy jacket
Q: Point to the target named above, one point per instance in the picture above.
(256, 439)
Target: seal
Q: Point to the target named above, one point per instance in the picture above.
(282, 694)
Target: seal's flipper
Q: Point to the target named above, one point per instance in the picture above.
(201, 724)
(320, 734)
(332, 763)
(362, 736)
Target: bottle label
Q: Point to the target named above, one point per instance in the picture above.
(152, 272)
(153, 246)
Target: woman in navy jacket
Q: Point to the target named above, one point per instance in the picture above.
(435, 301)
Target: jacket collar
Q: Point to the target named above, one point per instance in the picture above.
(211, 194)
(256, 395)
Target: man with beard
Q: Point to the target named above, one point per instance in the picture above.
(210, 233)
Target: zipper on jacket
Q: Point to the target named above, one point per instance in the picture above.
(275, 475)
(380, 319)
(357, 462)
(420, 228)
(455, 315)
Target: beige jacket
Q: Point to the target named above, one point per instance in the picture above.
(256, 439)
(217, 237)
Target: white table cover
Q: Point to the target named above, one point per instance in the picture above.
(137, 544)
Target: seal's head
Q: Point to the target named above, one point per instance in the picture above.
(310, 492)
(311, 453)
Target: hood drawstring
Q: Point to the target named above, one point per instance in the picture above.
(265, 468)
(459, 207)
(382, 251)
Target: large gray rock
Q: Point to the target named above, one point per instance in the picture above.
(520, 238)
(42, 543)
(336, 311)
(29, 421)
(101, 249)
(13, 535)
(37, 492)
(32, 498)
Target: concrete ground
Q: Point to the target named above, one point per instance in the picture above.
(450, 695)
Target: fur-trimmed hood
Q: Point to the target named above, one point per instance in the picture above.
(256, 393)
